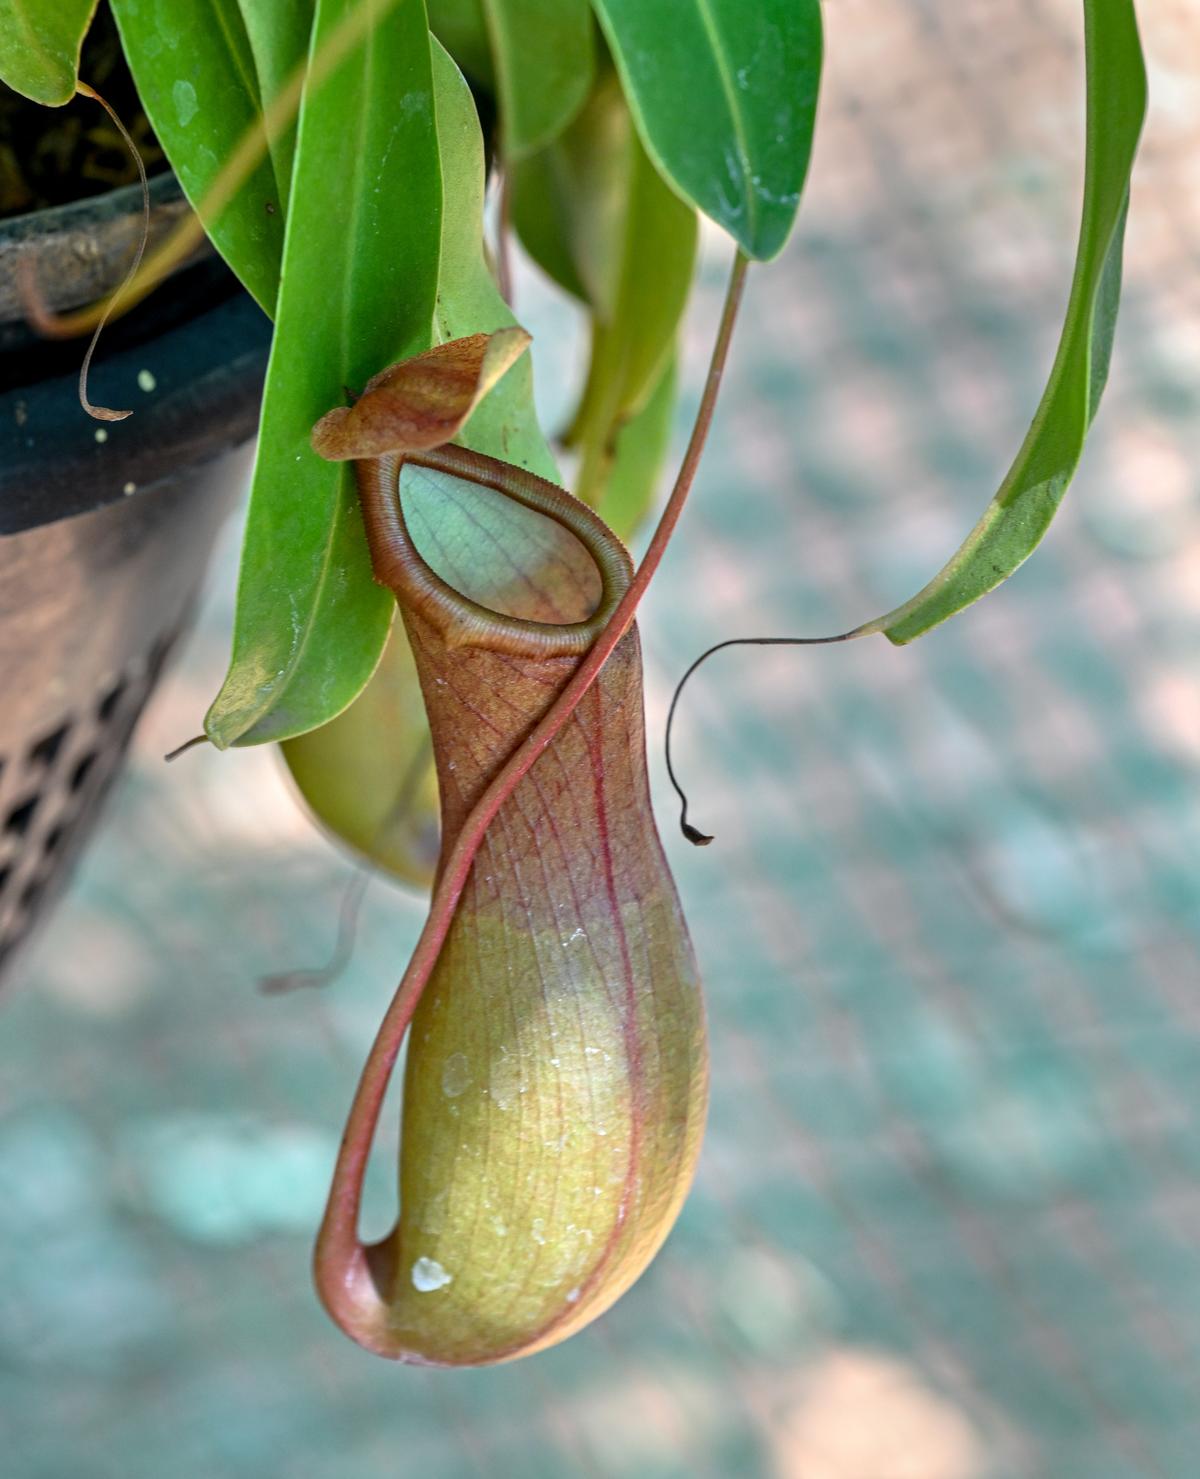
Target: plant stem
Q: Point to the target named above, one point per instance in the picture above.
(341, 1269)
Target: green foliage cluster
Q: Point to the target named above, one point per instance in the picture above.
(359, 228)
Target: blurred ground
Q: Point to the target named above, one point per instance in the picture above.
(947, 1218)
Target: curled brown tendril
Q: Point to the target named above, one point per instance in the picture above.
(45, 322)
(694, 834)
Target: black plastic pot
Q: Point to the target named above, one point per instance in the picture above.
(105, 530)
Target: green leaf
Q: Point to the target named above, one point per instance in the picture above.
(359, 282)
(544, 59)
(468, 301)
(364, 810)
(279, 35)
(538, 56)
(641, 445)
(542, 196)
(595, 213)
(460, 27)
(196, 76)
(649, 246)
(571, 202)
(39, 46)
(1021, 511)
(725, 95)
(368, 775)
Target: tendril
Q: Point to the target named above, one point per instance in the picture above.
(196, 739)
(46, 322)
(694, 834)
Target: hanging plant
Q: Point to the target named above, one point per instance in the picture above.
(409, 544)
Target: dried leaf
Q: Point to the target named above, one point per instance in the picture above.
(421, 402)
(358, 286)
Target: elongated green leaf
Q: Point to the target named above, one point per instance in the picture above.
(595, 213)
(538, 56)
(460, 27)
(641, 445)
(725, 94)
(358, 288)
(39, 46)
(279, 35)
(1022, 509)
(544, 57)
(572, 202)
(384, 804)
(542, 192)
(652, 249)
(196, 76)
(468, 302)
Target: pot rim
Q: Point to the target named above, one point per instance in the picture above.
(81, 250)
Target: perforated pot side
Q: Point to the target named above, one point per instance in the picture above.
(103, 538)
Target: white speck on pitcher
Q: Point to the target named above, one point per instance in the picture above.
(428, 1275)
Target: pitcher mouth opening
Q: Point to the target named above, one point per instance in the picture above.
(461, 620)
